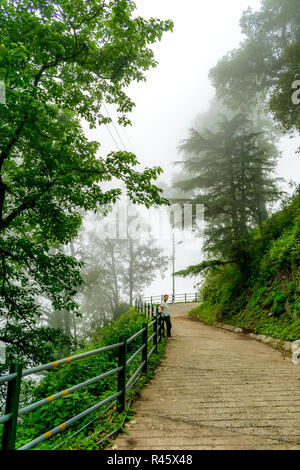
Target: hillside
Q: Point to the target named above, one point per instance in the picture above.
(268, 301)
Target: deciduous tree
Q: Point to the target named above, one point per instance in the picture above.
(60, 61)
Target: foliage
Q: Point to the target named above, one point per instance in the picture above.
(228, 170)
(60, 61)
(263, 68)
(202, 267)
(282, 104)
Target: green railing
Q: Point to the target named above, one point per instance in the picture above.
(14, 378)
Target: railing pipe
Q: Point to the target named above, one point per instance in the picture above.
(64, 425)
(135, 336)
(135, 354)
(67, 360)
(132, 378)
(12, 407)
(150, 352)
(63, 393)
(150, 337)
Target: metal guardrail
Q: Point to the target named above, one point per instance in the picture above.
(148, 306)
(189, 297)
(14, 378)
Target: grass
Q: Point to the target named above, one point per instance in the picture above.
(205, 313)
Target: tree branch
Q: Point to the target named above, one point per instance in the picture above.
(29, 202)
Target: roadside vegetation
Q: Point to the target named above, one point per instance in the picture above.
(86, 433)
(267, 301)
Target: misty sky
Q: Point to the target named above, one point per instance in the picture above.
(179, 89)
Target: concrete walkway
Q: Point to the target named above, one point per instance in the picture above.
(216, 390)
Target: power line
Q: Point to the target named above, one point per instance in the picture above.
(129, 141)
(116, 130)
(121, 140)
(116, 144)
(126, 134)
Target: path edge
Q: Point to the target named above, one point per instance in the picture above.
(275, 343)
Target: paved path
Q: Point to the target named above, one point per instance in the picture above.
(216, 390)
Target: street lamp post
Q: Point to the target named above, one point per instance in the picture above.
(173, 269)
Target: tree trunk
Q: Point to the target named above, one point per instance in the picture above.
(234, 216)
(116, 299)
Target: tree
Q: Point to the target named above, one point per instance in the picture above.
(285, 100)
(114, 271)
(229, 172)
(266, 63)
(60, 61)
(142, 260)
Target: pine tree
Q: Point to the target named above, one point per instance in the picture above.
(228, 170)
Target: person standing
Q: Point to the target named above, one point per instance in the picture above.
(165, 312)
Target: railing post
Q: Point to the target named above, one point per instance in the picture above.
(158, 319)
(12, 407)
(145, 350)
(195, 296)
(185, 298)
(162, 326)
(122, 374)
(155, 337)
